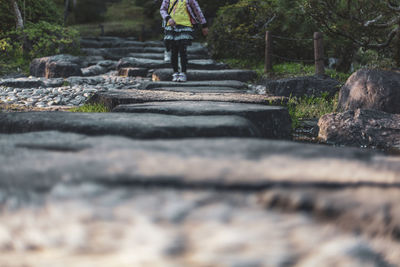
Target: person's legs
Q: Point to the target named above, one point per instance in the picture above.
(174, 57)
(183, 54)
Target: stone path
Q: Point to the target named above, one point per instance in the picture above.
(181, 174)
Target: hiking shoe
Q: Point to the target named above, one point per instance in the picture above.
(175, 77)
(182, 77)
(167, 56)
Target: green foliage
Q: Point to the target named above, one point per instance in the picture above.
(31, 10)
(354, 24)
(48, 39)
(18, 47)
(89, 11)
(239, 29)
(311, 107)
(373, 59)
(91, 108)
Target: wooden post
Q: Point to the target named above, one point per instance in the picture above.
(319, 53)
(268, 53)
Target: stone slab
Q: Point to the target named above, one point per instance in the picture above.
(103, 225)
(201, 64)
(160, 56)
(113, 98)
(141, 126)
(274, 122)
(200, 51)
(22, 82)
(201, 89)
(43, 159)
(226, 83)
(207, 75)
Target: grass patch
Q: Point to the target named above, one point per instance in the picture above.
(284, 70)
(311, 107)
(287, 70)
(95, 108)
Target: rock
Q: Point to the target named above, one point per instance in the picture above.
(203, 75)
(273, 122)
(371, 89)
(55, 82)
(109, 64)
(361, 127)
(302, 86)
(133, 72)
(113, 98)
(22, 83)
(88, 61)
(225, 83)
(141, 126)
(94, 70)
(62, 69)
(59, 66)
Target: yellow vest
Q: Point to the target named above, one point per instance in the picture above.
(180, 13)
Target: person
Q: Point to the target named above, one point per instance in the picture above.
(180, 16)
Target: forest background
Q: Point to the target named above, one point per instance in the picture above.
(357, 34)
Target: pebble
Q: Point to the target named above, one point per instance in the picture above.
(76, 93)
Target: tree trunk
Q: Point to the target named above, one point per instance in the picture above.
(397, 47)
(66, 11)
(18, 17)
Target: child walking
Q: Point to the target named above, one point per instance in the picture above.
(179, 17)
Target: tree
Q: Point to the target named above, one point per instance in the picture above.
(18, 17)
(364, 23)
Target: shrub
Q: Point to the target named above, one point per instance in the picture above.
(32, 11)
(238, 30)
(18, 47)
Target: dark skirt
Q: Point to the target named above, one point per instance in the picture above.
(178, 35)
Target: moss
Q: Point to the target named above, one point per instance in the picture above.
(96, 108)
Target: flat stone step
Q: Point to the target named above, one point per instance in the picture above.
(160, 56)
(201, 64)
(201, 89)
(22, 83)
(141, 126)
(117, 53)
(113, 98)
(225, 83)
(43, 159)
(273, 122)
(196, 50)
(207, 75)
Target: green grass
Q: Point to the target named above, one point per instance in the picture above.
(311, 107)
(284, 70)
(96, 108)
